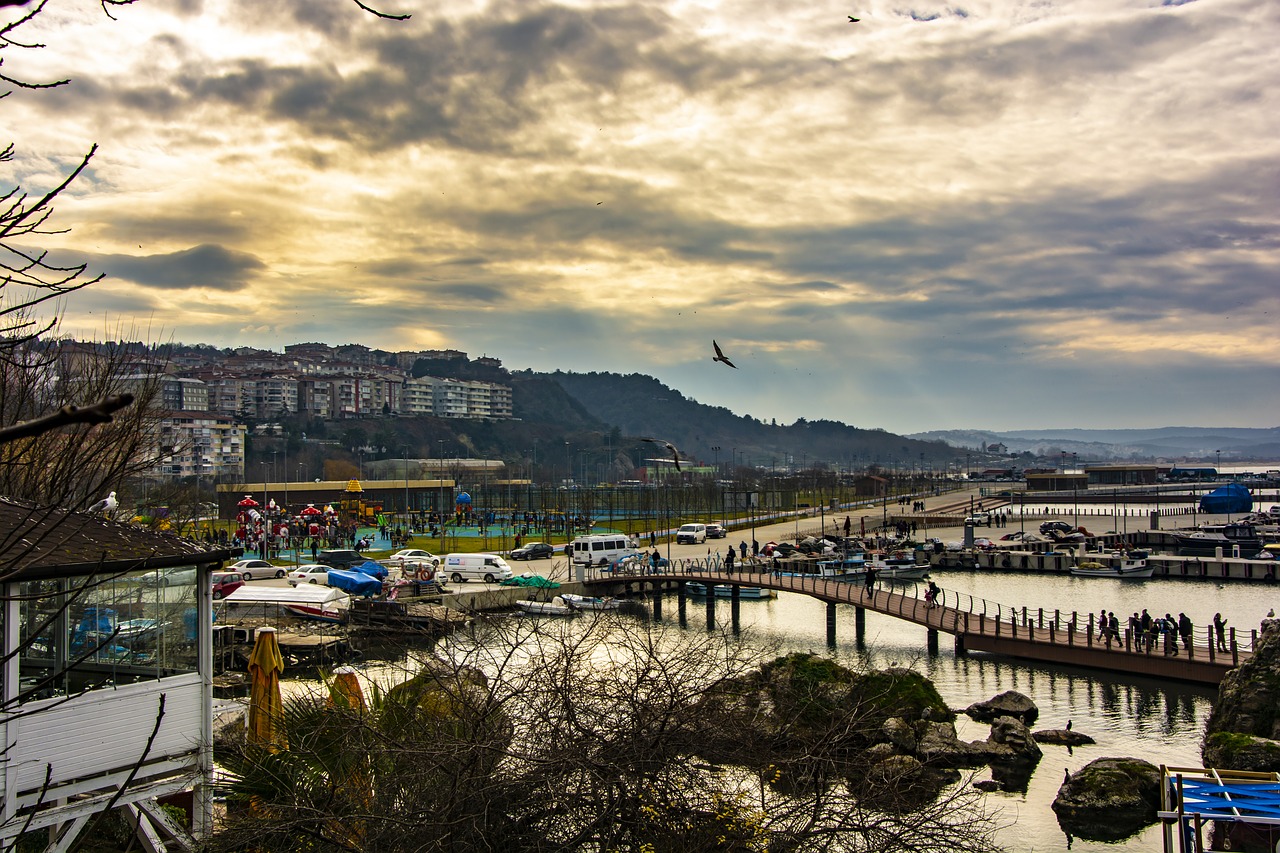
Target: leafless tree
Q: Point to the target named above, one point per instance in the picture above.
(596, 734)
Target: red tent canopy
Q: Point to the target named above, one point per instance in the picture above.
(311, 510)
(248, 501)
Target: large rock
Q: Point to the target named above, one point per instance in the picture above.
(1062, 737)
(1246, 715)
(939, 746)
(1109, 799)
(1008, 704)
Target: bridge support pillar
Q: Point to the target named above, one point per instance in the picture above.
(960, 650)
(682, 604)
(735, 606)
(931, 641)
(860, 627)
(657, 602)
(831, 625)
(711, 607)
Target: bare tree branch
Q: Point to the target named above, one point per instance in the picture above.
(98, 413)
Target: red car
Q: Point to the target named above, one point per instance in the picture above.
(225, 583)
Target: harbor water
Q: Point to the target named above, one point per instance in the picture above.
(1158, 721)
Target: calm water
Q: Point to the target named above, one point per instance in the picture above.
(1156, 721)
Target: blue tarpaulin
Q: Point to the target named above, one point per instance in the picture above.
(355, 583)
(1232, 497)
(369, 567)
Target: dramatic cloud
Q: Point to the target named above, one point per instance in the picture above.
(996, 214)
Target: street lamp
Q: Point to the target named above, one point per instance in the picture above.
(1219, 471)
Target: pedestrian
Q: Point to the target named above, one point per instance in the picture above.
(742, 549)
(1113, 625)
(870, 582)
(1220, 629)
(1185, 629)
(653, 538)
(1170, 627)
(933, 595)
(728, 561)
(848, 525)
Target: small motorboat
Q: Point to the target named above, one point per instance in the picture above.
(725, 590)
(1132, 565)
(317, 613)
(554, 607)
(589, 602)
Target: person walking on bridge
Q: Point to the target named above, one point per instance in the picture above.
(870, 582)
(1220, 629)
(1185, 629)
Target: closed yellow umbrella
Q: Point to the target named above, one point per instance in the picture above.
(265, 665)
(345, 689)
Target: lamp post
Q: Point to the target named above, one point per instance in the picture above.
(404, 450)
(1219, 469)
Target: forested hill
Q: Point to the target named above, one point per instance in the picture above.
(640, 405)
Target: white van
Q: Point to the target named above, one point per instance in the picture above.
(601, 549)
(691, 534)
(489, 568)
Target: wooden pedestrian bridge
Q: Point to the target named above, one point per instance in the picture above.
(976, 624)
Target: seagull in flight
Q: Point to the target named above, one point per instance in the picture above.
(675, 454)
(719, 356)
(853, 20)
(106, 505)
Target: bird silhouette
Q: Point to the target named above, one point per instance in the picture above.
(1066, 775)
(106, 505)
(719, 356)
(675, 454)
(853, 20)
(1068, 725)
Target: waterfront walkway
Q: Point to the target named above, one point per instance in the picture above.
(975, 624)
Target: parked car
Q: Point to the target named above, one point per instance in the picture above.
(340, 558)
(716, 531)
(310, 573)
(534, 551)
(178, 576)
(261, 568)
(691, 534)
(978, 519)
(225, 583)
(1050, 526)
(413, 557)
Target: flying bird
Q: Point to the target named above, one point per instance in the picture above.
(719, 356)
(675, 454)
(853, 20)
(107, 504)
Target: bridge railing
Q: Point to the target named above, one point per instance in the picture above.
(973, 614)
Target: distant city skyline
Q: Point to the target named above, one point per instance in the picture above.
(1003, 216)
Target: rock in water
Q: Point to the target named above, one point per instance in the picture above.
(1008, 704)
(1062, 737)
(1109, 799)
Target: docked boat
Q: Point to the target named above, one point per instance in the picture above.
(1207, 538)
(590, 602)
(725, 590)
(554, 607)
(1132, 566)
(908, 570)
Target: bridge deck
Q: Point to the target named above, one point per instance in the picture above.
(1022, 638)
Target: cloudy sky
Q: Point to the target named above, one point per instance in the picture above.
(995, 214)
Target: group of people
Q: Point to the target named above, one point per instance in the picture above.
(1160, 632)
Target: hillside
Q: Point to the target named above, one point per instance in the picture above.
(640, 405)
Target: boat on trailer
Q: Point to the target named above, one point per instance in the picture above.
(1131, 565)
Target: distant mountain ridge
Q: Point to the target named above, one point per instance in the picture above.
(640, 405)
(1237, 444)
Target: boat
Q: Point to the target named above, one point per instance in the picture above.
(725, 590)
(1132, 565)
(589, 602)
(317, 613)
(835, 569)
(1207, 538)
(554, 607)
(907, 571)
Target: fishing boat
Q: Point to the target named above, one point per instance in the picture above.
(590, 602)
(1132, 565)
(554, 607)
(904, 571)
(725, 590)
(317, 613)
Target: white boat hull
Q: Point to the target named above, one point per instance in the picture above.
(554, 607)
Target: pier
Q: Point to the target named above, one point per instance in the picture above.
(974, 624)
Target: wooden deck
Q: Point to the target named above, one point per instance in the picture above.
(1013, 635)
